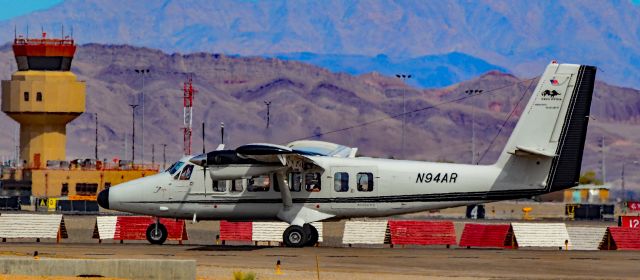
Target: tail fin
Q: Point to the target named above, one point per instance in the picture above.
(552, 129)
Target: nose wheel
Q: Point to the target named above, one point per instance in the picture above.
(156, 233)
(298, 237)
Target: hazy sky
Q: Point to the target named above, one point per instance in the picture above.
(14, 8)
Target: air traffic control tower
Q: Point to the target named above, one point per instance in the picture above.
(43, 96)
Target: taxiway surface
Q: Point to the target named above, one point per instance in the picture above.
(219, 262)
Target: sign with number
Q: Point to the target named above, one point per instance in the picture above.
(52, 203)
(634, 206)
(631, 221)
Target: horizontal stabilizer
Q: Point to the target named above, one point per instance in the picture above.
(527, 151)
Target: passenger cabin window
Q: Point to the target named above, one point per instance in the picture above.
(219, 186)
(39, 96)
(236, 185)
(295, 181)
(259, 184)
(276, 184)
(365, 182)
(312, 182)
(341, 181)
(26, 96)
(186, 172)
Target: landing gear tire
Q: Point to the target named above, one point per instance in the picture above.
(295, 236)
(312, 235)
(156, 233)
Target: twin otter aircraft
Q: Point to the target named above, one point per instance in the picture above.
(310, 181)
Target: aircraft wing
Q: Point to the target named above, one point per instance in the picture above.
(262, 158)
(294, 151)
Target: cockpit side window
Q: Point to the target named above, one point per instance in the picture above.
(186, 172)
(175, 167)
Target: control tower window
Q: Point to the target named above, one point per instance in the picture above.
(65, 189)
(26, 96)
(39, 96)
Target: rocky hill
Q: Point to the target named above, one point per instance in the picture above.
(311, 102)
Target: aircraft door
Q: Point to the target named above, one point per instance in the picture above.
(354, 187)
(181, 184)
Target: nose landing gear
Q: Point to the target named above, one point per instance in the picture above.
(300, 236)
(156, 233)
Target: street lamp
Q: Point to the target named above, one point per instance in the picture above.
(624, 195)
(404, 78)
(164, 156)
(268, 103)
(471, 92)
(142, 71)
(222, 133)
(133, 136)
(96, 145)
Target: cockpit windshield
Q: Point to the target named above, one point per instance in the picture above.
(175, 167)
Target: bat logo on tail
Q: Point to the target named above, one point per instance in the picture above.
(550, 93)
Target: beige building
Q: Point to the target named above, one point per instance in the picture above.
(43, 96)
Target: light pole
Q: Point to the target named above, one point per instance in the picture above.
(471, 92)
(404, 78)
(624, 195)
(143, 72)
(268, 103)
(96, 148)
(164, 156)
(133, 136)
(222, 133)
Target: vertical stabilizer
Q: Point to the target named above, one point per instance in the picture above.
(552, 128)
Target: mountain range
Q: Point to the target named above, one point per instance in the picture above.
(426, 71)
(309, 102)
(520, 36)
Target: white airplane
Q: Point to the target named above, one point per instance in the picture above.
(310, 181)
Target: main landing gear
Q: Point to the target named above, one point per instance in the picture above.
(156, 233)
(300, 236)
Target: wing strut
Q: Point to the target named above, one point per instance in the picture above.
(285, 193)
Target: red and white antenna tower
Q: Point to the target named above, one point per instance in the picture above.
(188, 92)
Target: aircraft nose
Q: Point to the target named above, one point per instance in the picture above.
(103, 199)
